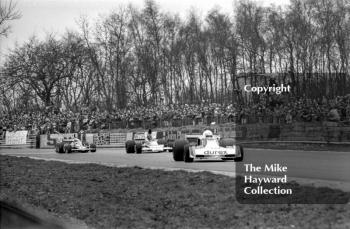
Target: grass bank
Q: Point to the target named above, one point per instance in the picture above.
(109, 197)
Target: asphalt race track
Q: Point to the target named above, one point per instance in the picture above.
(325, 167)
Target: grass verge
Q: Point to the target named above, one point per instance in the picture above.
(109, 197)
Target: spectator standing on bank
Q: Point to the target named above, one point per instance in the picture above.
(69, 127)
(333, 115)
(289, 117)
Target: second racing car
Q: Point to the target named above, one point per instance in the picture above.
(146, 143)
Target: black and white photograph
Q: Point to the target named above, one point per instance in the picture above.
(174, 114)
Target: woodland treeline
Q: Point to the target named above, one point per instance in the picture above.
(141, 57)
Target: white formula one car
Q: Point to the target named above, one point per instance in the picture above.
(74, 145)
(206, 146)
(142, 146)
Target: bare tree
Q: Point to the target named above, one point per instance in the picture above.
(8, 13)
(40, 67)
(145, 56)
(108, 50)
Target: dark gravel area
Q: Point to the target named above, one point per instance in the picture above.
(109, 197)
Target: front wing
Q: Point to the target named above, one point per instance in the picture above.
(87, 149)
(155, 149)
(205, 153)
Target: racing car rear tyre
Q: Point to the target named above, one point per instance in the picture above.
(187, 157)
(178, 150)
(138, 148)
(92, 148)
(238, 159)
(67, 148)
(130, 146)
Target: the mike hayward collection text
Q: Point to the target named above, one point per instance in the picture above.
(261, 179)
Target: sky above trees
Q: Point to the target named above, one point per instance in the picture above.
(42, 17)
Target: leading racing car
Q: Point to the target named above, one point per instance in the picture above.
(74, 145)
(206, 146)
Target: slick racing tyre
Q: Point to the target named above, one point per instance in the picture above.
(67, 148)
(92, 148)
(187, 157)
(178, 150)
(59, 147)
(241, 152)
(138, 148)
(130, 146)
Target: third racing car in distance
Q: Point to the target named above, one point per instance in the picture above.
(74, 145)
(206, 146)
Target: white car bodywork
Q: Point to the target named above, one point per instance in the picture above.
(77, 145)
(153, 147)
(209, 148)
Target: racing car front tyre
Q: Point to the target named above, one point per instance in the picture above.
(178, 150)
(59, 147)
(92, 148)
(67, 148)
(130, 146)
(238, 159)
(138, 148)
(187, 157)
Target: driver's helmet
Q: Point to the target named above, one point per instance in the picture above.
(207, 134)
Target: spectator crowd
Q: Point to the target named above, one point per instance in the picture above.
(267, 110)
